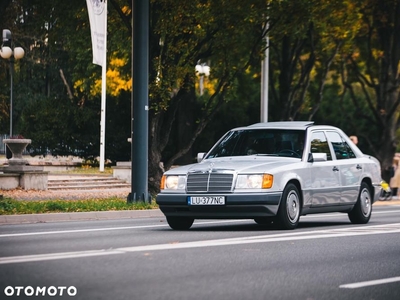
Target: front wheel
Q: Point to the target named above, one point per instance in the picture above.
(361, 212)
(180, 223)
(289, 210)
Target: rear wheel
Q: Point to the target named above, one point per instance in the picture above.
(289, 210)
(361, 213)
(180, 223)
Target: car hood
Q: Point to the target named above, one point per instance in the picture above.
(250, 164)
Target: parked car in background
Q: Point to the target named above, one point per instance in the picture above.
(273, 173)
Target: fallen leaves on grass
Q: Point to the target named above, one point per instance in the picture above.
(21, 194)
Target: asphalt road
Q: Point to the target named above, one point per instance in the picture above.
(325, 258)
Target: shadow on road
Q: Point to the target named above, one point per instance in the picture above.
(247, 227)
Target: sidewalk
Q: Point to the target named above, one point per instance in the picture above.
(88, 189)
(79, 216)
(388, 202)
(105, 215)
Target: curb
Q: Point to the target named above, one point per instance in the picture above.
(79, 216)
(387, 202)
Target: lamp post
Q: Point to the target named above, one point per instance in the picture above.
(7, 51)
(202, 70)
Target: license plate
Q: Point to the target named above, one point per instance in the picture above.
(206, 200)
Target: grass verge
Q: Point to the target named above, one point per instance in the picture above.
(13, 207)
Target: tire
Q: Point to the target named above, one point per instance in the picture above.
(290, 208)
(361, 212)
(180, 223)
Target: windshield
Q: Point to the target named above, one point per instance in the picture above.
(278, 142)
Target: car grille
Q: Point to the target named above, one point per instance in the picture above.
(209, 182)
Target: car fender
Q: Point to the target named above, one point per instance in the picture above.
(299, 180)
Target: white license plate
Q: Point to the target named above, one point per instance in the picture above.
(206, 200)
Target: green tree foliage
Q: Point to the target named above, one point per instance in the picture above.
(7, 20)
(227, 36)
(364, 93)
(243, 108)
(56, 94)
(303, 53)
(334, 62)
(370, 75)
(60, 126)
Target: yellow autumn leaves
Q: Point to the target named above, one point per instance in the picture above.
(116, 82)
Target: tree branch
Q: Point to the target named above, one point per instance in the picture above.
(70, 95)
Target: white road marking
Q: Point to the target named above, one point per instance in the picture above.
(344, 232)
(108, 228)
(357, 285)
(54, 256)
(78, 230)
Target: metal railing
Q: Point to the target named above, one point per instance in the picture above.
(2, 145)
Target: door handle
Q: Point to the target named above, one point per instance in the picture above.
(335, 169)
(359, 167)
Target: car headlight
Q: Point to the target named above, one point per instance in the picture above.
(173, 182)
(254, 181)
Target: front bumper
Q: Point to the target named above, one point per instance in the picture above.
(377, 192)
(237, 206)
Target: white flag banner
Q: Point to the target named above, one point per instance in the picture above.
(98, 26)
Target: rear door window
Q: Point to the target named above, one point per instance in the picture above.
(340, 147)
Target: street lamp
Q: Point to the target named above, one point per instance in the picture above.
(7, 51)
(202, 70)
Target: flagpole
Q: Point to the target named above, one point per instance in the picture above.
(264, 79)
(103, 95)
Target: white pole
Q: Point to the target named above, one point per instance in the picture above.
(264, 80)
(103, 97)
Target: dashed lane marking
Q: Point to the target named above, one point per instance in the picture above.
(361, 284)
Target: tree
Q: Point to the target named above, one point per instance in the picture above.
(185, 33)
(59, 106)
(370, 75)
(305, 46)
(8, 9)
(336, 56)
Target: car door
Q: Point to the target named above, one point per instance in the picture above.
(325, 177)
(350, 168)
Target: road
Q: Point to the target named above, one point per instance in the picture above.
(325, 258)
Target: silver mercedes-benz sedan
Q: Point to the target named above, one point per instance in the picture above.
(273, 173)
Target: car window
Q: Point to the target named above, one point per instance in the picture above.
(319, 144)
(349, 150)
(277, 142)
(341, 148)
(226, 145)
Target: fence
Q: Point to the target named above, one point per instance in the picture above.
(2, 145)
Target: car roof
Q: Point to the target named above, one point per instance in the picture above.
(283, 124)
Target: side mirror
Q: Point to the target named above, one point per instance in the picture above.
(200, 156)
